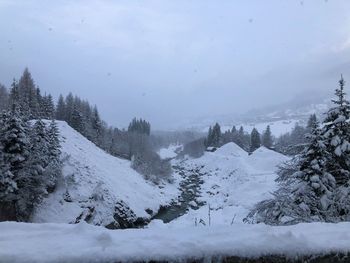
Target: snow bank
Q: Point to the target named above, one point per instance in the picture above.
(266, 160)
(231, 149)
(21, 242)
(95, 183)
(233, 183)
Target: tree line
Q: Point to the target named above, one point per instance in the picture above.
(290, 143)
(134, 143)
(29, 163)
(249, 142)
(29, 150)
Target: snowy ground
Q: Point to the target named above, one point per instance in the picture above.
(21, 242)
(94, 182)
(233, 182)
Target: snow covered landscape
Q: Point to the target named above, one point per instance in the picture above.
(232, 182)
(174, 131)
(94, 182)
(86, 243)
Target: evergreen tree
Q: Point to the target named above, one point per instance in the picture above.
(294, 142)
(4, 98)
(69, 103)
(42, 105)
(216, 135)
(14, 94)
(242, 139)
(255, 141)
(267, 140)
(234, 130)
(96, 125)
(47, 107)
(140, 126)
(227, 137)
(61, 109)
(209, 140)
(28, 98)
(299, 135)
(311, 122)
(15, 141)
(336, 130)
(315, 186)
(31, 181)
(29, 163)
(77, 121)
(8, 185)
(54, 142)
(214, 138)
(306, 188)
(14, 155)
(40, 143)
(54, 168)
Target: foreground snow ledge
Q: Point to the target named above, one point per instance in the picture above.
(20, 242)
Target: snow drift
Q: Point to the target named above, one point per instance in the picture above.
(233, 182)
(99, 188)
(21, 242)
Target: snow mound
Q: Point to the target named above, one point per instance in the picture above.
(99, 188)
(38, 243)
(231, 149)
(265, 159)
(233, 182)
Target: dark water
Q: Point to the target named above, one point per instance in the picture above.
(190, 190)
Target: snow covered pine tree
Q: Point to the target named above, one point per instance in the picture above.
(255, 141)
(15, 151)
(267, 139)
(314, 186)
(29, 164)
(336, 131)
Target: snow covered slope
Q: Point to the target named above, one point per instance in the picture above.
(233, 182)
(99, 188)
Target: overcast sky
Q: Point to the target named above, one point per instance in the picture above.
(172, 60)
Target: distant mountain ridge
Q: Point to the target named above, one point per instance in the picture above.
(282, 118)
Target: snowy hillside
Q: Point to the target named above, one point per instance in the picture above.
(99, 188)
(233, 182)
(103, 190)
